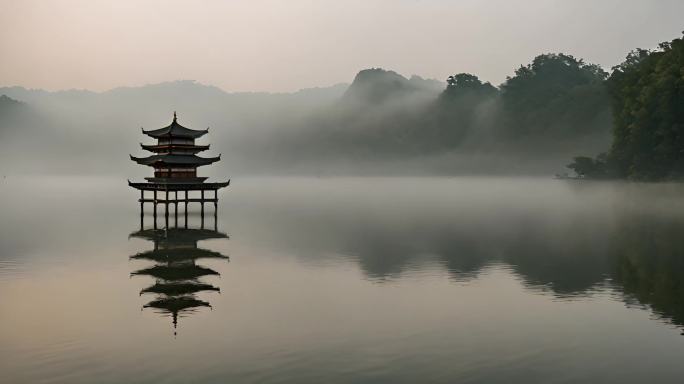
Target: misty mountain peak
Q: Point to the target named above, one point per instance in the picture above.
(377, 85)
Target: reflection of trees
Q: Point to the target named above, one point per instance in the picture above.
(566, 266)
(176, 274)
(462, 256)
(643, 256)
(576, 254)
(561, 264)
(649, 265)
(382, 254)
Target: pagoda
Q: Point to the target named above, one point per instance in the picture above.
(175, 163)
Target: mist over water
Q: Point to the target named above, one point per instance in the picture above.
(391, 191)
(365, 279)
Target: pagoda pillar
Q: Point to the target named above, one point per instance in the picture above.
(166, 208)
(202, 211)
(142, 211)
(154, 214)
(175, 208)
(215, 208)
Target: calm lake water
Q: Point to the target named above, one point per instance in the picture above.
(345, 280)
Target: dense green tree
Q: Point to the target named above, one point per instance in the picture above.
(456, 113)
(464, 83)
(597, 168)
(556, 95)
(648, 103)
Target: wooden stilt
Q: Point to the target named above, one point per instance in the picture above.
(175, 208)
(215, 209)
(142, 210)
(202, 212)
(166, 209)
(186, 209)
(154, 213)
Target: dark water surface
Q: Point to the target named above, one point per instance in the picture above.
(363, 280)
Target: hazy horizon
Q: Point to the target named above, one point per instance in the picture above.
(275, 46)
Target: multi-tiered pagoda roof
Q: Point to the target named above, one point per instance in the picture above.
(175, 160)
(176, 130)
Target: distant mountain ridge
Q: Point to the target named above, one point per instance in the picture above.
(382, 122)
(163, 89)
(376, 81)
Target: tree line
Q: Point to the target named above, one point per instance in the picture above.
(647, 96)
(545, 112)
(549, 110)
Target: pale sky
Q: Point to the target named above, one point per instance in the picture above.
(285, 45)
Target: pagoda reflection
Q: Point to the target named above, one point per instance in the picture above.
(177, 276)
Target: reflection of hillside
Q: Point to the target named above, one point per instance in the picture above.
(463, 257)
(177, 276)
(382, 253)
(381, 257)
(546, 260)
(645, 257)
(566, 266)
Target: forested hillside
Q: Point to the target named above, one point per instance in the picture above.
(647, 94)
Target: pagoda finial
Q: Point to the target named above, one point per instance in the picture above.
(174, 116)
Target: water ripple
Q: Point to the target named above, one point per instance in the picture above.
(10, 269)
